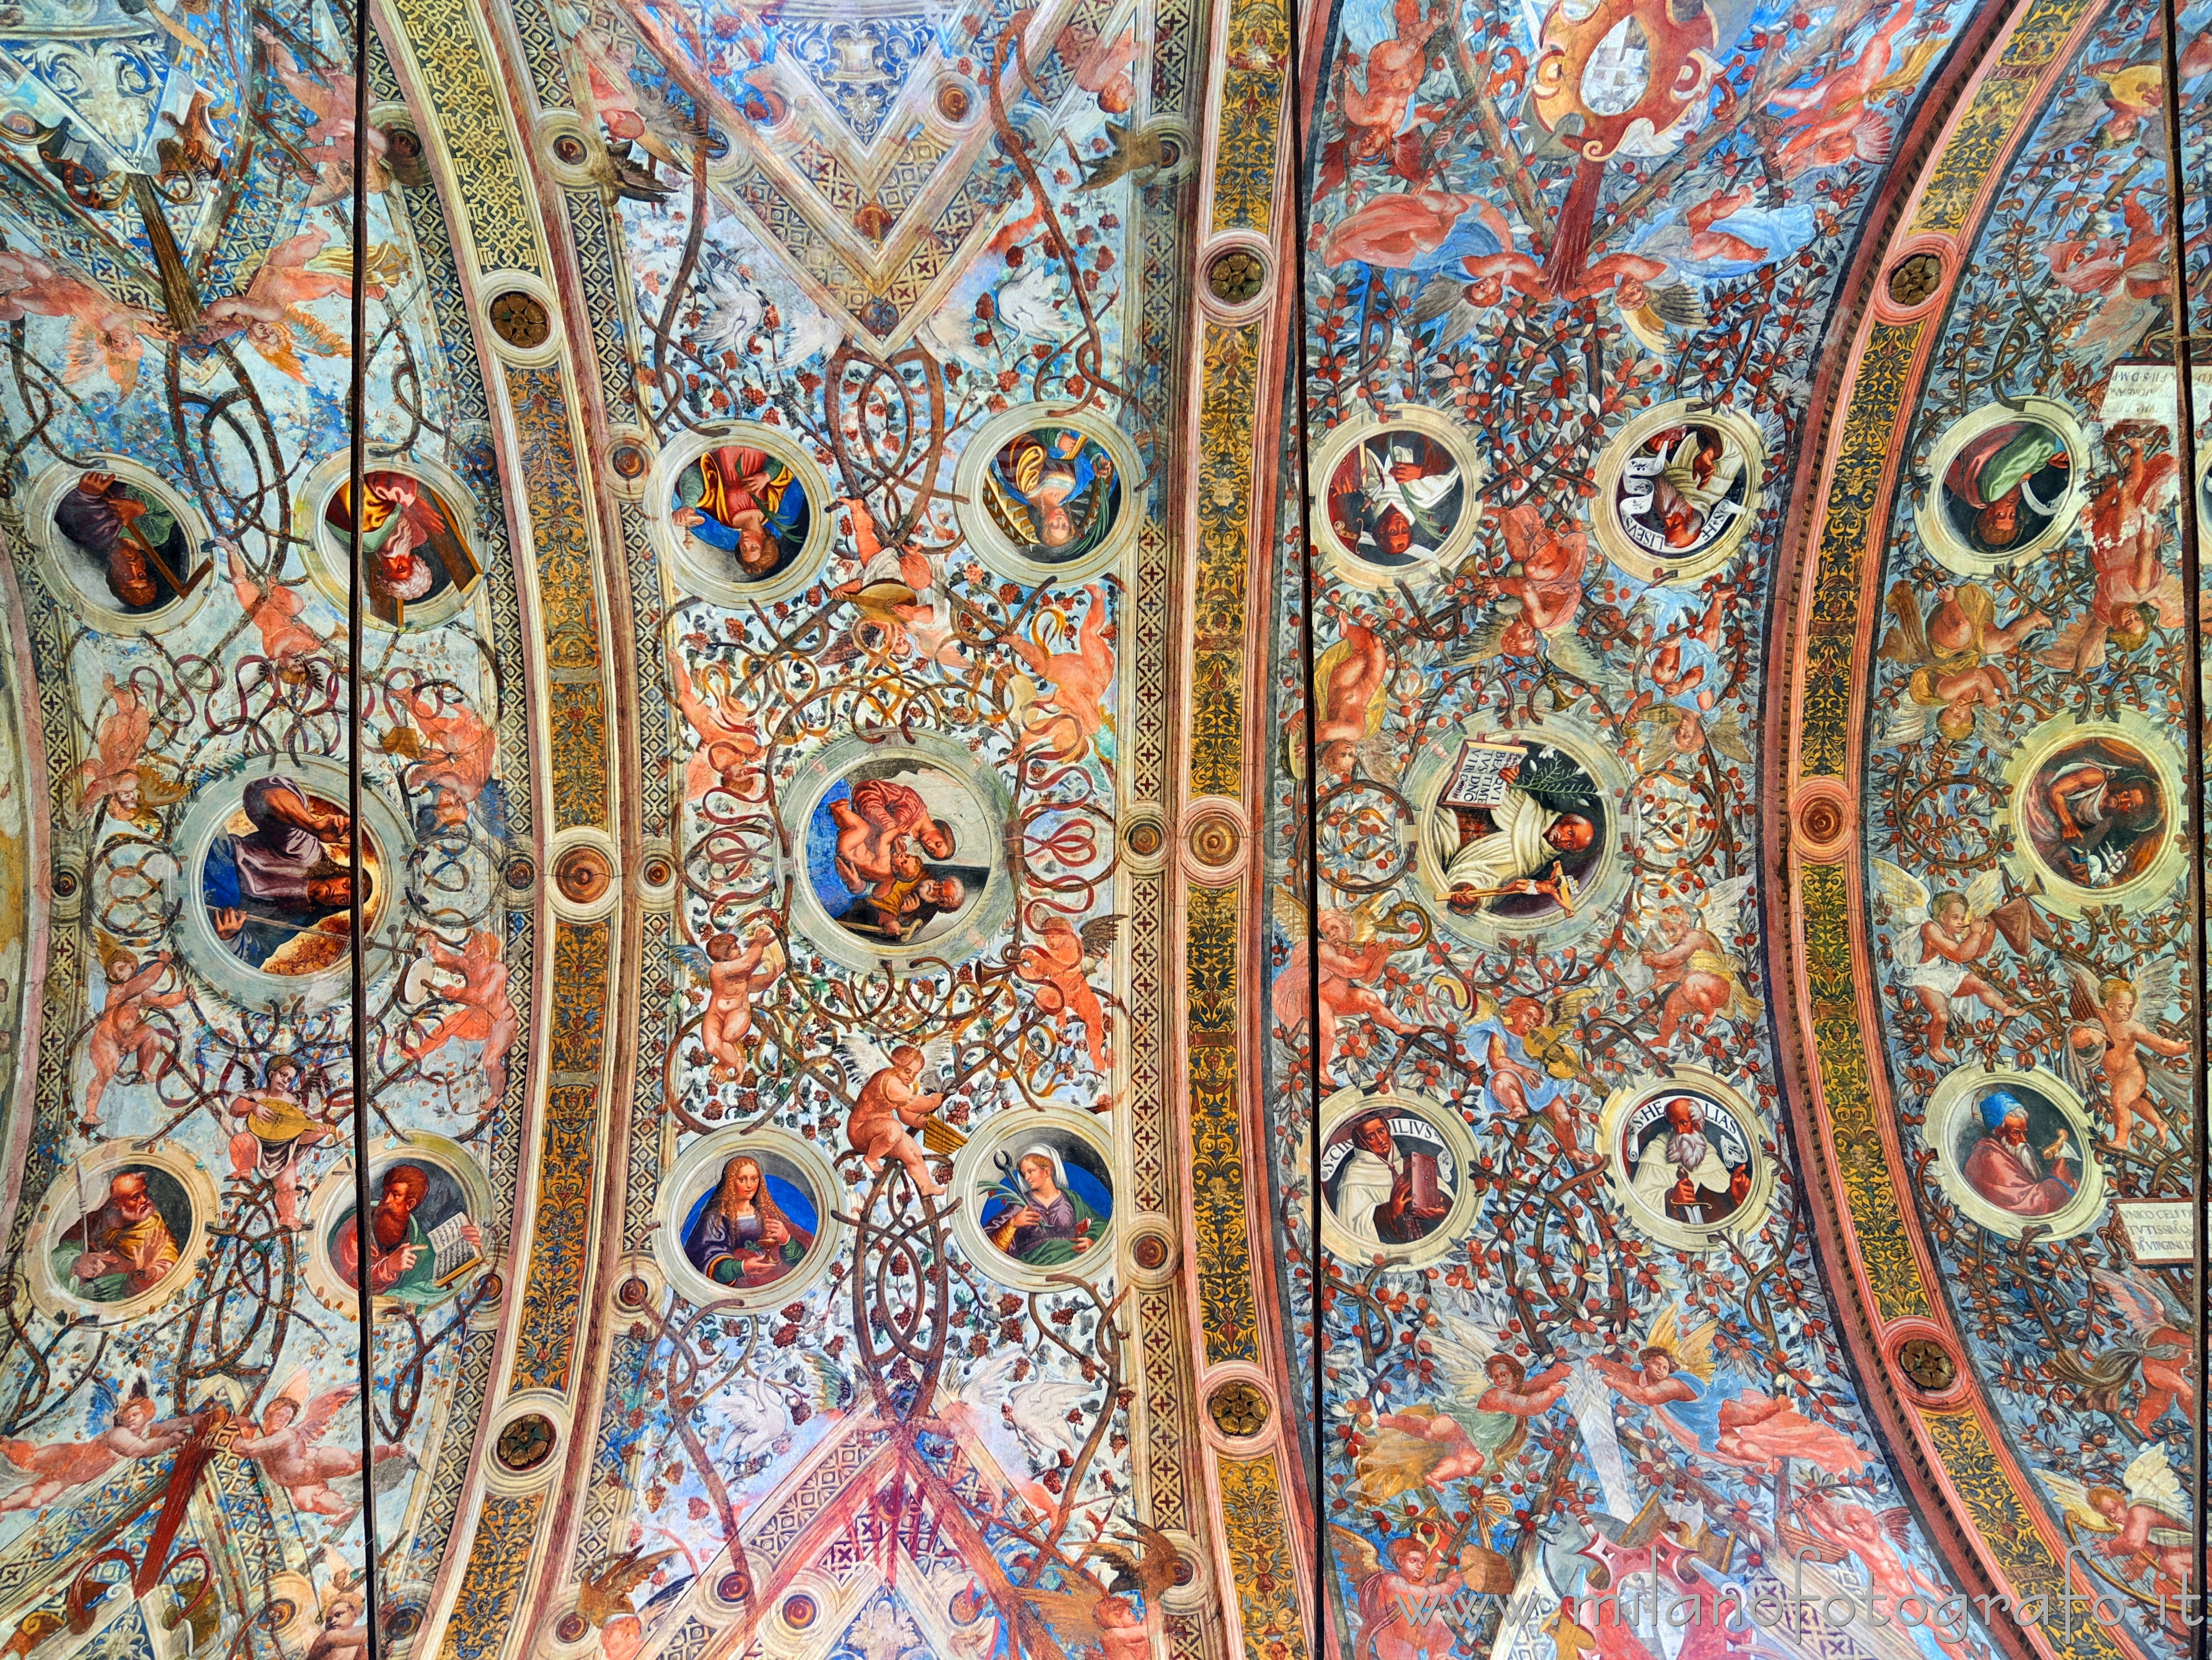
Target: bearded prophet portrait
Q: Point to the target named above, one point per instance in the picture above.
(411, 550)
(746, 505)
(421, 1237)
(275, 882)
(2006, 486)
(133, 546)
(1688, 1159)
(1681, 490)
(2095, 812)
(1055, 493)
(128, 1239)
(1396, 499)
(754, 1225)
(2018, 1152)
(1517, 830)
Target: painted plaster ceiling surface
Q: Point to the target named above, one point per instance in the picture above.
(1177, 830)
(1700, 917)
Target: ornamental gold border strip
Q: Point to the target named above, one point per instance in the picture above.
(447, 63)
(1977, 1478)
(1229, 1313)
(569, 607)
(1257, 48)
(1993, 121)
(1259, 1529)
(491, 1593)
(548, 1326)
(1230, 358)
(1261, 1520)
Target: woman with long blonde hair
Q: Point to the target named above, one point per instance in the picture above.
(743, 1237)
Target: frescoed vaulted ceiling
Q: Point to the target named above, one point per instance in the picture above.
(1173, 830)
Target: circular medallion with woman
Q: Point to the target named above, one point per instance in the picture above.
(1034, 1212)
(741, 1236)
(1056, 492)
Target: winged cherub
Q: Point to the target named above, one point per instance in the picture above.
(329, 97)
(2126, 520)
(275, 609)
(483, 1011)
(1068, 716)
(888, 1106)
(290, 1447)
(1692, 964)
(456, 764)
(1940, 940)
(2144, 1527)
(1348, 714)
(1058, 966)
(1546, 575)
(1108, 1620)
(735, 973)
(102, 334)
(1832, 121)
(1510, 1080)
(124, 1430)
(1539, 598)
(1482, 1429)
(2158, 1350)
(2105, 1017)
(113, 772)
(1543, 1029)
(123, 1028)
(1874, 1539)
(1952, 651)
(1402, 1606)
(730, 746)
(1677, 1377)
(269, 312)
(1673, 733)
(604, 1600)
(1348, 953)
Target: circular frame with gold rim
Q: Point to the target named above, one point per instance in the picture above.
(2092, 865)
(1686, 470)
(1428, 440)
(1355, 1179)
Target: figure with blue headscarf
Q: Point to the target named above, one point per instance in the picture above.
(2006, 1169)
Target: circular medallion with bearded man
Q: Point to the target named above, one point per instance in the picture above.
(2007, 485)
(1519, 832)
(427, 1234)
(412, 547)
(417, 529)
(1393, 495)
(1677, 491)
(1686, 1158)
(2015, 1149)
